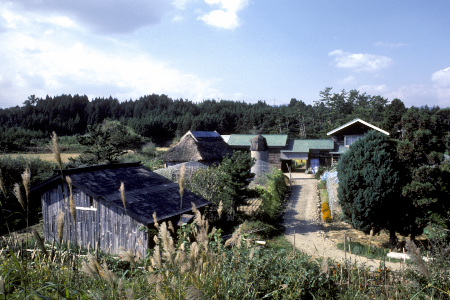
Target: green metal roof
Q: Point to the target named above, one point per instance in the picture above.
(341, 150)
(243, 140)
(306, 145)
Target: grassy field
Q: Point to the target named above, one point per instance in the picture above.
(43, 156)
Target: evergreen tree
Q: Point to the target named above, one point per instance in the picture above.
(107, 142)
(370, 184)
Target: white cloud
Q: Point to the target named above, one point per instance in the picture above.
(441, 81)
(38, 57)
(180, 4)
(442, 77)
(221, 19)
(411, 94)
(390, 45)
(373, 89)
(103, 16)
(227, 16)
(359, 61)
(347, 80)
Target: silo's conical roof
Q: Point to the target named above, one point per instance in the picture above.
(259, 143)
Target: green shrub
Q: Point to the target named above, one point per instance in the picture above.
(273, 195)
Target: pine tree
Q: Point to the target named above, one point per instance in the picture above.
(370, 184)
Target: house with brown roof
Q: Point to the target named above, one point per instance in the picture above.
(206, 147)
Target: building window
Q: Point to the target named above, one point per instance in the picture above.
(350, 139)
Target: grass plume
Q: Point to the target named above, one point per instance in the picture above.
(39, 242)
(122, 194)
(92, 268)
(2, 184)
(56, 150)
(72, 206)
(18, 193)
(236, 238)
(420, 263)
(220, 209)
(60, 225)
(26, 180)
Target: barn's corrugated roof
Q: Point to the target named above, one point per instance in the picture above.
(146, 192)
(244, 140)
(304, 146)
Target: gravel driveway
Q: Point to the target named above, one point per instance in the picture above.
(304, 228)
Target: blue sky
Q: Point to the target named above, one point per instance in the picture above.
(246, 50)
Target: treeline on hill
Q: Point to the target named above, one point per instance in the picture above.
(161, 118)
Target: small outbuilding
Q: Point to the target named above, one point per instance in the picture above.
(206, 147)
(102, 219)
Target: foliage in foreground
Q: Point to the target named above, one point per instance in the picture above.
(17, 212)
(200, 265)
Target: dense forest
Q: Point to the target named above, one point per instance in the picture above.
(161, 119)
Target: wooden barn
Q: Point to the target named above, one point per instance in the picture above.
(206, 147)
(102, 221)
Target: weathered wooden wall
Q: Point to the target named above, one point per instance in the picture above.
(107, 227)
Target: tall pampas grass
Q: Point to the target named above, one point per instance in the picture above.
(2, 286)
(420, 263)
(167, 243)
(92, 268)
(18, 193)
(122, 194)
(56, 150)
(60, 226)
(26, 180)
(2, 184)
(39, 242)
(236, 238)
(3, 189)
(220, 209)
(72, 206)
(155, 220)
(194, 293)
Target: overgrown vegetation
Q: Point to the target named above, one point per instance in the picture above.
(225, 185)
(273, 196)
(200, 265)
(17, 207)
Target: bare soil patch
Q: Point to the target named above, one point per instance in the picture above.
(337, 231)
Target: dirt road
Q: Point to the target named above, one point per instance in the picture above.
(304, 227)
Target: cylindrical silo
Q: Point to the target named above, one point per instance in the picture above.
(260, 152)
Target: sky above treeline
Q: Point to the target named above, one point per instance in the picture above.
(245, 50)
